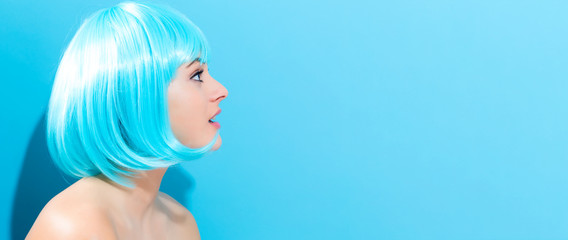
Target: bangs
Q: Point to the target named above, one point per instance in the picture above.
(172, 37)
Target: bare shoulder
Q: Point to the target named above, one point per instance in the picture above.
(70, 216)
(182, 219)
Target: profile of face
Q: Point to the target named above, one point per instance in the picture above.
(193, 99)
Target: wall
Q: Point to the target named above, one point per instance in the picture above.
(345, 119)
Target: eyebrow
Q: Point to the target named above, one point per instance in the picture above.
(189, 65)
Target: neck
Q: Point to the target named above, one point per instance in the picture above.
(139, 202)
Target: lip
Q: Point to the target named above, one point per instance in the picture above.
(216, 125)
(219, 111)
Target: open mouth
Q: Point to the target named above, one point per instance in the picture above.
(215, 124)
(217, 113)
(212, 122)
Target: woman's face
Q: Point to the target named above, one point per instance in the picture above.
(193, 99)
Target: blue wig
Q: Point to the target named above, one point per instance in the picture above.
(108, 111)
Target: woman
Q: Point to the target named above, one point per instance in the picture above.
(132, 96)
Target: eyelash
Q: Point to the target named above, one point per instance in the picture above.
(198, 74)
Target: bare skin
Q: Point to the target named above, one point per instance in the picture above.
(98, 208)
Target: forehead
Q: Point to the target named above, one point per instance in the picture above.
(195, 62)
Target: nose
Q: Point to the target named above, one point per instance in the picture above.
(220, 93)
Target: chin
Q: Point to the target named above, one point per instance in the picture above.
(217, 144)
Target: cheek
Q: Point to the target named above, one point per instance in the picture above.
(185, 112)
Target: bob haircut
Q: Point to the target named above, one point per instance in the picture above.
(108, 111)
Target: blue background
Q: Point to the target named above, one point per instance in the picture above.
(345, 119)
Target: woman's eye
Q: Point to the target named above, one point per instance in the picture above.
(198, 75)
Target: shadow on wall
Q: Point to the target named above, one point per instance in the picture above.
(40, 180)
